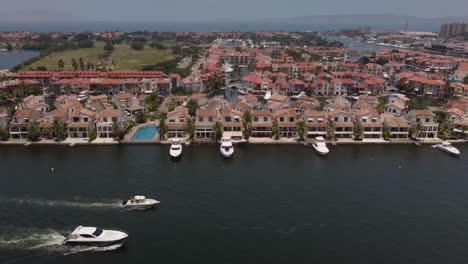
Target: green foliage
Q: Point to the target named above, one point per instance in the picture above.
(140, 117)
(331, 130)
(381, 61)
(92, 135)
(137, 45)
(192, 106)
(109, 47)
(190, 127)
(85, 44)
(465, 80)
(275, 129)
(172, 104)
(358, 131)
(61, 64)
(59, 131)
(247, 125)
(33, 132)
(162, 125)
(386, 133)
(4, 133)
(301, 129)
(218, 130)
(364, 60)
(444, 131)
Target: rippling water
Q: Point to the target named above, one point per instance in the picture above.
(269, 204)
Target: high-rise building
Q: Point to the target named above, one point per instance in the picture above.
(453, 29)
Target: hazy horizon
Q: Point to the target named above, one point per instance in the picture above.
(206, 10)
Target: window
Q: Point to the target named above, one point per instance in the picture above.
(291, 119)
(346, 119)
(281, 119)
(255, 119)
(85, 119)
(210, 119)
(86, 235)
(114, 119)
(200, 119)
(428, 119)
(418, 120)
(104, 119)
(265, 119)
(97, 232)
(335, 119)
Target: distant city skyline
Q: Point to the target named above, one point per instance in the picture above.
(205, 10)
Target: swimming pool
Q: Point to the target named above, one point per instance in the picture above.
(145, 133)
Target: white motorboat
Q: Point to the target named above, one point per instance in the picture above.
(226, 149)
(93, 236)
(140, 202)
(176, 149)
(3, 50)
(83, 96)
(320, 146)
(447, 147)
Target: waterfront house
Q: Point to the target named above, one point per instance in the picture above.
(455, 114)
(80, 123)
(21, 122)
(177, 122)
(32, 101)
(369, 119)
(398, 127)
(122, 100)
(372, 100)
(287, 120)
(261, 123)
(343, 123)
(424, 124)
(241, 105)
(460, 129)
(316, 122)
(64, 99)
(205, 119)
(232, 122)
(46, 123)
(397, 104)
(106, 120)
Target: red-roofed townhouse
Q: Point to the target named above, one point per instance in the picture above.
(296, 86)
(205, 119)
(232, 122)
(261, 123)
(459, 89)
(374, 68)
(64, 99)
(21, 122)
(370, 121)
(343, 123)
(177, 122)
(107, 119)
(316, 122)
(425, 119)
(80, 123)
(287, 120)
(397, 104)
(321, 87)
(427, 86)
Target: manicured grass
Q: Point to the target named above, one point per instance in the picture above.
(122, 58)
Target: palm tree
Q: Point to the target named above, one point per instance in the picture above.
(190, 127)
(331, 130)
(218, 130)
(444, 131)
(386, 133)
(416, 130)
(275, 129)
(247, 124)
(61, 64)
(358, 130)
(162, 125)
(301, 129)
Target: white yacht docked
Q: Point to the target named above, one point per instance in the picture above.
(176, 149)
(320, 146)
(83, 96)
(447, 147)
(140, 202)
(226, 149)
(93, 236)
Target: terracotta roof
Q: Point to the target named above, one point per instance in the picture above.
(261, 113)
(206, 112)
(110, 113)
(25, 113)
(421, 113)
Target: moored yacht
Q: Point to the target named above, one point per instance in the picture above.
(93, 236)
(226, 149)
(83, 96)
(176, 149)
(447, 147)
(320, 146)
(140, 202)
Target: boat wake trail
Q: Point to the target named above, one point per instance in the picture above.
(73, 204)
(42, 242)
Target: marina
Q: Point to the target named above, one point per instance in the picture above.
(358, 200)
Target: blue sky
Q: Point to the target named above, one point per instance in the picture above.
(199, 10)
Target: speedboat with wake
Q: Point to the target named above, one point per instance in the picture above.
(447, 147)
(140, 202)
(93, 236)
(176, 149)
(320, 146)
(226, 149)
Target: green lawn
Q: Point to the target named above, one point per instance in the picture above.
(122, 58)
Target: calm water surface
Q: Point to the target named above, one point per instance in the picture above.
(10, 59)
(269, 204)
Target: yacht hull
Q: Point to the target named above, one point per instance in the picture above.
(93, 243)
